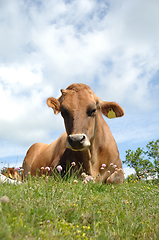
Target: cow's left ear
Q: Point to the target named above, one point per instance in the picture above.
(111, 109)
(54, 104)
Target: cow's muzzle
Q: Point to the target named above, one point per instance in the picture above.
(77, 142)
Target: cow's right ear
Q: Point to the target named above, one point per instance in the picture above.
(54, 104)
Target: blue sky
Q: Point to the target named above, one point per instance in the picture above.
(113, 46)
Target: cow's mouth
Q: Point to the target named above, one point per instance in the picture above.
(77, 149)
(77, 142)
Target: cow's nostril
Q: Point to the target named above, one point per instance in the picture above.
(82, 138)
(70, 139)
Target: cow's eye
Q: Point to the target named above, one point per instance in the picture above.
(64, 112)
(91, 112)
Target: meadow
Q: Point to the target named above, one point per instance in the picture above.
(48, 208)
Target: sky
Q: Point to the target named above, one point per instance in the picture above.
(112, 46)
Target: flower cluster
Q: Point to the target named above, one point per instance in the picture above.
(86, 178)
(47, 168)
(103, 166)
(17, 169)
(75, 181)
(59, 168)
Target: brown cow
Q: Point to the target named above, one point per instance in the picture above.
(12, 173)
(87, 141)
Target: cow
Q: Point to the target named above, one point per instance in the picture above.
(12, 173)
(87, 141)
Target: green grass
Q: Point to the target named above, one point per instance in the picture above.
(61, 209)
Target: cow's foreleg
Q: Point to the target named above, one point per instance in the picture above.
(116, 177)
(113, 174)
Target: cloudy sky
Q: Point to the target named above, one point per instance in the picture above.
(113, 46)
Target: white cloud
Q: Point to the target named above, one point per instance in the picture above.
(24, 75)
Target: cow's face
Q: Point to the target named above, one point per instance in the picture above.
(79, 107)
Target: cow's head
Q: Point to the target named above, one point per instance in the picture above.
(79, 107)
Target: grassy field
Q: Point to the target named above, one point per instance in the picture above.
(45, 208)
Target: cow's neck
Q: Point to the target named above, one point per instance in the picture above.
(98, 143)
(88, 158)
(83, 159)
